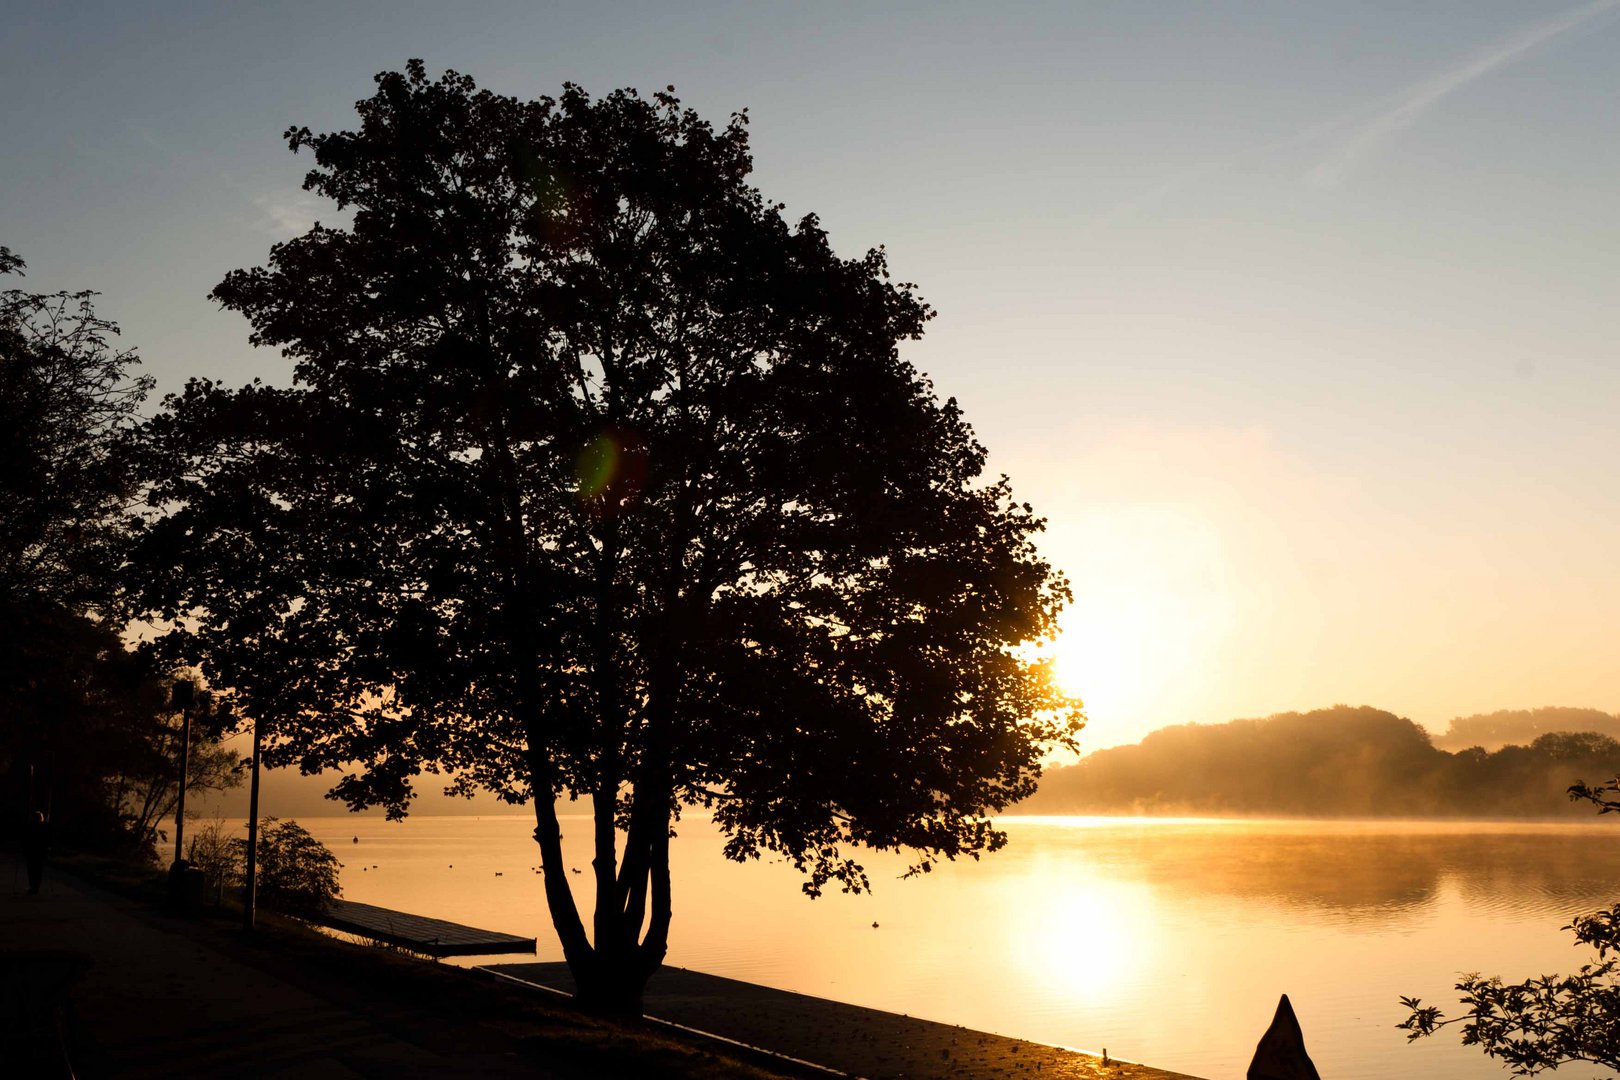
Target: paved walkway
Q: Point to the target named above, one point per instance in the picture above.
(163, 997)
(166, 997)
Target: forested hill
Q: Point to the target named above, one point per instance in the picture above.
(1523, 726)
(1338, 762)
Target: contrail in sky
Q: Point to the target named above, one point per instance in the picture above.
(1417, 100)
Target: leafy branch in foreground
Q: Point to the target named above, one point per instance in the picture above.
(1605, 796)
(1551, 1020)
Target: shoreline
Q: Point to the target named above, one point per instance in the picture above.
(838, 1038)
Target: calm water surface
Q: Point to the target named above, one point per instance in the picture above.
(1164, 941)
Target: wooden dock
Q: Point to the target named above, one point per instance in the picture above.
(418, 933)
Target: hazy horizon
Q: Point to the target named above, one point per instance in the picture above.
(286, 793)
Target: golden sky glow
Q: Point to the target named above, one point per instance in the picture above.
(1297, 322)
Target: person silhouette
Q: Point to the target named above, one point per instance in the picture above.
(35, 843)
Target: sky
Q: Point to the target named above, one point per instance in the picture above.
(1298, 322)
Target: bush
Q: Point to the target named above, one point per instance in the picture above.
(212, 850)
(297, 873)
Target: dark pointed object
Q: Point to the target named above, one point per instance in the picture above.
(1281, 1054)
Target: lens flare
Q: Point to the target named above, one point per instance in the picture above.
(611, 470)
(597, 466)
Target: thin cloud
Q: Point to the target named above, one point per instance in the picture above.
(1367, 137)
(289, 217)
(1128, 209)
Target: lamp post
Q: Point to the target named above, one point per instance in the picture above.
(250, 885)
(180, 698)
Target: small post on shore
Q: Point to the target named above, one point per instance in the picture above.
(250, 886)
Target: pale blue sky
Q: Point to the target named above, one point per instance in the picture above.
(1298, 320)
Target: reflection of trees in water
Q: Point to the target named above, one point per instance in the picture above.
(1560, 874)
(1372, 875)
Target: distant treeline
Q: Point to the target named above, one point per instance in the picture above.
(1523, 726)
(1338, 762)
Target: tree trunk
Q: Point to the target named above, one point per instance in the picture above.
(610, 975)
(609, 989)
(614, 979)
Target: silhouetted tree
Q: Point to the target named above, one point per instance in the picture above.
(66, 395)
(596, 475)
(89, 737)
(145, 780)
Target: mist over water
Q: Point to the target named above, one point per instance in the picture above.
(1167, 941)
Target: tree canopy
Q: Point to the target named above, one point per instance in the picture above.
(84, 731)
(1496, 729)
(66, 394)
(597, 475)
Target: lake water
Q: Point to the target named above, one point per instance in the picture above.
(1165, 941)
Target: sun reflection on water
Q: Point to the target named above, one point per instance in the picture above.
(1090, 936)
